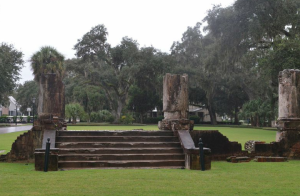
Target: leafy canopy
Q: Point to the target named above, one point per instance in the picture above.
(47, 60)
(11, 63)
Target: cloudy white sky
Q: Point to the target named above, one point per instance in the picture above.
(31, 24)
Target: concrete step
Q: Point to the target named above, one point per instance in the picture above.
(161, 167)
(115, 144)
(116, 133)
(99, 157)
(123, 164)
(119, 150)
(116, 139)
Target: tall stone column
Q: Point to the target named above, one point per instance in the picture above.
(289, 95)
(51, 96)
(288, 122)
(175, 103)
(51, 102)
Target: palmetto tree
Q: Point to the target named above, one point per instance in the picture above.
(47, 60)
(51, 89)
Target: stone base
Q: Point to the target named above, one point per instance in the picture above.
(270, 159)
(40, 160)
(50, 122)
(178, 124)
(195, 162)
(234, 159)
(288, 124)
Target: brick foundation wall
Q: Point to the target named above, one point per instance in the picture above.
(219, 144)
(24, 146)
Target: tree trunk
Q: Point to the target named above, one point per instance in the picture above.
(236, 116)
(210, 107)
(74, 120)
(212, 114)
(250, 91)
(257, 120)
(252, 121)
(117, 113)
(89, 117)
(141, 116)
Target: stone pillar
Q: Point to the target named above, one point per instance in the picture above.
(51, 102)
(51, 96)
(175, 96)
(175, 103)
(288, 122)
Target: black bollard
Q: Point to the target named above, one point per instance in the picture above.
(201, 155)
(47, 155)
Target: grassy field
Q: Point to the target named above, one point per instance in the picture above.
(224, 179)
(6, 141)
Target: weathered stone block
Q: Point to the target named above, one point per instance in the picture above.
(195, 162)
(295, 151)
(51, 95)
(289, 94)
(177, 124)
(235, 159)
(175, 96)
(175, 103)
(270, 159)
(40, 161)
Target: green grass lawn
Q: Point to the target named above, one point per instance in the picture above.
(224, 179)
(6, 141)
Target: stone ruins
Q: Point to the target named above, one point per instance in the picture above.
(137, 148)
(51, 112)
(288, 122)
(175, 103)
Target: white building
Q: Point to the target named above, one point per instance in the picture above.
(11, 109)
(201, 112)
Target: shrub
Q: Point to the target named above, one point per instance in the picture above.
(126, 119)
(106, 116)
(3, 119)
(153, 120)
(74, 110)
(101, 116)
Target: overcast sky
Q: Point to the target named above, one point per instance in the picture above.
(31, 24)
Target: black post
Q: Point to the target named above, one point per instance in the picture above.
(16, 115)
(47, 155)
(201, 155)
(33, 115)
(33, 103)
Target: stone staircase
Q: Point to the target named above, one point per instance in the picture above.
(119, 149)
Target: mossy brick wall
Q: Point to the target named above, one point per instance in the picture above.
(24, 146)
(219, 144)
